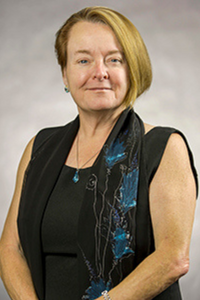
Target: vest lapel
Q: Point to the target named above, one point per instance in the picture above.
(41, 176)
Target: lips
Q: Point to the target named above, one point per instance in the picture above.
(98, 88)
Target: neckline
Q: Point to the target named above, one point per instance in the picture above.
(109, 138)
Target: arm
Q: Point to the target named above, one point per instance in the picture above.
(14, 270)
(172, 206)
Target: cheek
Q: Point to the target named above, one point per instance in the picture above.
(77, 79)
(123, 81)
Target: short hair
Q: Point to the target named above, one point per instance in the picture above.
(134, 49)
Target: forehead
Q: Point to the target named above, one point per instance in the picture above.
(90, 35)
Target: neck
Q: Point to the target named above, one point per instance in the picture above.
(98, 124)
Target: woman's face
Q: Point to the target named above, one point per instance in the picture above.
(96, 72)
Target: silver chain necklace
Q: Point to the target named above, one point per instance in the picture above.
(76, 175)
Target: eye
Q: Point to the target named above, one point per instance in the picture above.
(83, 61)
(115, 60)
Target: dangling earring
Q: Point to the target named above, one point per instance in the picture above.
(66, 89)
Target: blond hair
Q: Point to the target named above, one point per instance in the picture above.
(134, 49)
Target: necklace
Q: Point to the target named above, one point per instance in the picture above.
(76, 175)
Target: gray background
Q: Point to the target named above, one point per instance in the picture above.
(32, 94)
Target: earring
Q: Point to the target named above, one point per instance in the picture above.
(66, 89)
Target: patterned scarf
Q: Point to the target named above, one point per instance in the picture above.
(107, 224)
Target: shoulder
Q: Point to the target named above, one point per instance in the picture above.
(177, 161)
(156, 138)
(46, 134)
(42, 136)
(176, 147)
(169, 145)
(176, 153)
(154, 144)
(166, 139)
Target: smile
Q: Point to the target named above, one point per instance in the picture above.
(99, 89)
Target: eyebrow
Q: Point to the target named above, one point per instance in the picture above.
(89, 53)
(82, 51)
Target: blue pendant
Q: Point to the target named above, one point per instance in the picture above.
(76, 177)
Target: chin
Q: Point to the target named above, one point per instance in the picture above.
(106, 108)
(105, 104)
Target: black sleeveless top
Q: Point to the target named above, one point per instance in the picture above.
(59, 235)
(60, 221)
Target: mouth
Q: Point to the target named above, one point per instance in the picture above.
(99, 89)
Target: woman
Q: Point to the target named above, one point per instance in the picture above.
(104, 206)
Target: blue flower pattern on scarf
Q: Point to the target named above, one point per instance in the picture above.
(96, 288)
(128, 191)
(121, 243)
(114, 153)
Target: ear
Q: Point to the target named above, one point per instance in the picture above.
(64, 75)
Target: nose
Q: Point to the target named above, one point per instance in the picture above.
(100, 71)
